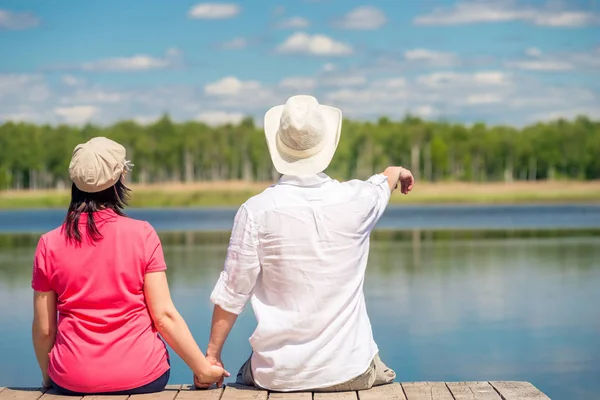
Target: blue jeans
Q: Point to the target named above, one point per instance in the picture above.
(157, 385)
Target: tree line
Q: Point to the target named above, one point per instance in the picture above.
(37, 156)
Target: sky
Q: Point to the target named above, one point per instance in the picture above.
(501, 62)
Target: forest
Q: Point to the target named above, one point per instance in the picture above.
(37, 156)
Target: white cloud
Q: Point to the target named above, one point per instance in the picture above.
(494, 96)
(560, 61)
(453, 79)
(343, 80)
(541, 65)
(551, 97)
(329, 67)
(424, 111)
(18, 117)
(76, 114)
(485, 98)
(138, 62)
(146, 119)
(493, 78)
(368, 103)
(316, 45)
(567, 113)
(214, 11)
(30, 88)
(447, 94)
(17, 20)
(230, 86)
(94, 95)
(298, 83)
(533, 52)
(236, 43)
(586, 60)
(216, 118)
(383, 93)
(390, 83)
(474, 11)
(363, 18)
(174, 52)
(432, 57)
(294, 23)
(71, 80)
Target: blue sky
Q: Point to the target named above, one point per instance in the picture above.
(502, 61)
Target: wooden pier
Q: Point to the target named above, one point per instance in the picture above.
(495, 390)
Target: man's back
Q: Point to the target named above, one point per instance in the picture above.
(300, 250)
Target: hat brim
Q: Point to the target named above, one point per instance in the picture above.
(288, 165)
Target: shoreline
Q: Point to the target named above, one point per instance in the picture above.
(233, 194)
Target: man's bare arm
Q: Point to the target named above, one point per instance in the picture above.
(400, 175)
(222, 322)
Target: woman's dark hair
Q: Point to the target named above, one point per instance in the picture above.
(115, 198)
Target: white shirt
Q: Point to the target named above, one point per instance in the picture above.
(299, 251)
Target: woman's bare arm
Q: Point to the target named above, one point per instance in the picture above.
(43, 330)
(172, 327)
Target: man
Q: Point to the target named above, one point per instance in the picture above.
(299, 251)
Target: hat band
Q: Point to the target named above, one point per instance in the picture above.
(299, 153)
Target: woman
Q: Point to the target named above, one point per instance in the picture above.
(104, 274)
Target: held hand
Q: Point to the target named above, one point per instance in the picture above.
(215, 374)
(216, 360)
(406, 180)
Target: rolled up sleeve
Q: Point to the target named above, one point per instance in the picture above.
(242, 267)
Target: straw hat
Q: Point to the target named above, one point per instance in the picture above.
(302, 135)
(98, 164)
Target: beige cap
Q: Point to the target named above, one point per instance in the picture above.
(97, 164)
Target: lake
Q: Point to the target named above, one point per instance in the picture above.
(454, 293)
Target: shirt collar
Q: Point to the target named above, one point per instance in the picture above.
(305, 181)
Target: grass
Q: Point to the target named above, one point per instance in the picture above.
(232, 194)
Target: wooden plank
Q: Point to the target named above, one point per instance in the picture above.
(168, 394)
(51, 395)
(386, 392)
(188, 392)
(21, 394)
(518, 391)
(336, 396)
(291, 396)
(426, 391)
(472, 391)
(234, 391)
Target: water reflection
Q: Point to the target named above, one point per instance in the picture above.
(444, 305)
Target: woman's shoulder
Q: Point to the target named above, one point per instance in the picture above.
(136, 226)
(52, 235)
(135, 223)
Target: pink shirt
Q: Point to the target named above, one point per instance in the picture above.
(106, 340)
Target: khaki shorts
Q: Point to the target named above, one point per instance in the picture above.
(377, 374)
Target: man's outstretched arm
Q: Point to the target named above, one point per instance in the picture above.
(399, 175)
